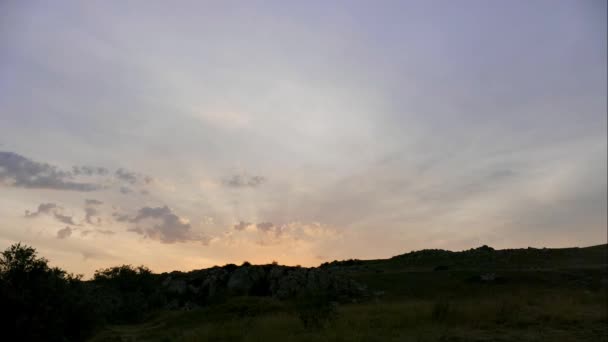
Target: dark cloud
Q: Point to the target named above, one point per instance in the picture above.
(91, 202)
(21, 172)
(89, 171)
(51, 209)
(162, 224)
(43, 208)
(268, 228)
(91, 216)
(121, 217)
(64, 233)
(265, 226)
(241, 225)
(64, 218)
(132, 177)
(238, 181)
(99, 231)
(91, 213)
(127, 176)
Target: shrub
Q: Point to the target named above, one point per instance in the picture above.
(126, 293)
(40, 303)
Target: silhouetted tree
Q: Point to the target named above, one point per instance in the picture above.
(40, 303)
(126, 293)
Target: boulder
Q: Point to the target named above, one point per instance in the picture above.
(244, 279)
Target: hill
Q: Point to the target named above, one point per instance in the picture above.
(480, 294)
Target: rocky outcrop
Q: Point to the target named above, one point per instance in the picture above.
(282, 282)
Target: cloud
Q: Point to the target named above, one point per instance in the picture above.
(91, 216)
(21, 172)
(43, 208)
(90, 202)
(99, 231)
(91, 213)
(64, 233)
(239, 181)
(241, 225)
(268, 233)
(268, 227)
(64, 218)
(127, 176)
(132, 180)
(121, 217)
(132, 177)
(89, 171)
(51, 209)
(125, 190)
(162, 224)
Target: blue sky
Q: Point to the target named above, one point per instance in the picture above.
(203, 133)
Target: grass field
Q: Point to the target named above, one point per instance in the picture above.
(564, 303)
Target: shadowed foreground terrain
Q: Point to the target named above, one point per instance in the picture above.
(480, 294)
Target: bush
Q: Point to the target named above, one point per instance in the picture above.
(40, 303)
(126, 293)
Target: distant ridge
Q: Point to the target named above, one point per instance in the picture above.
(488, 257)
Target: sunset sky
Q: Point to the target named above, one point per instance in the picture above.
(188, 134)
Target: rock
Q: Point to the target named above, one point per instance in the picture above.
(244, 279)
(282, 282)
(291, 283)
(214, 283)
(178, 286)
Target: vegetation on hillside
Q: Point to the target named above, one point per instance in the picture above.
(432, 295)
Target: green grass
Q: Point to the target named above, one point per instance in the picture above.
(550, 315)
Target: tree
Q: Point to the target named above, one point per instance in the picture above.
(19, 261)
(40, 303)
(126, 293)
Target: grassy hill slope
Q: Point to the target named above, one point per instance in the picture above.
(430, 295)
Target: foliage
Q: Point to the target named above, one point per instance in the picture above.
(126, 293)
(40, 303)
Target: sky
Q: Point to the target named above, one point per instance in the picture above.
(182, 135)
